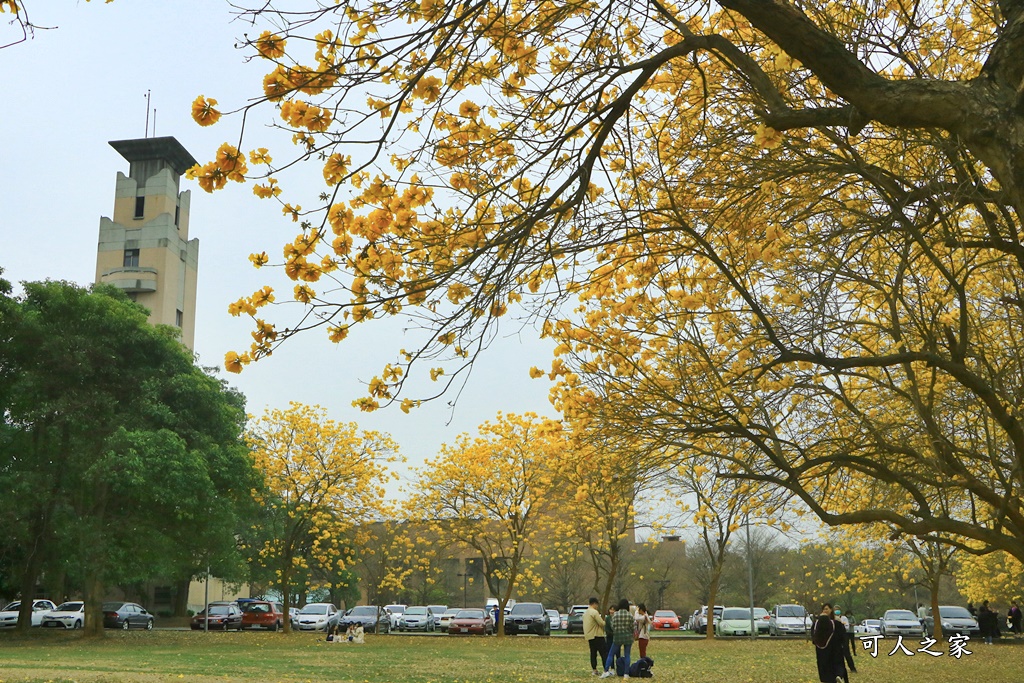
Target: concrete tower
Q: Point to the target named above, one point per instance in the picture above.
(145, 250)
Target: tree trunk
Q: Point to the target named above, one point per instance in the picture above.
(936, 617)
(94, 606)
(716, 576)
(286, 594)
(180, 604)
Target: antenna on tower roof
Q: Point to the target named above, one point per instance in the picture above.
(147, 114)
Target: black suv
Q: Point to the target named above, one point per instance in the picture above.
(527, 617)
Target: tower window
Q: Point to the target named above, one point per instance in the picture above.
(177, 214)
(140, 206)
(131, 258)
(179, 318)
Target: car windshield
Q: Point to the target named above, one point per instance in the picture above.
(552, 612)
(578, 609)
(527, 608)
(363, 611)
(791, 611)
(397, 609)
(954, 612)
(871, 622)
(438, 609)
(415, 611)
(665, 613)
(736, 613)
(314, 609)
(900, 615)
(70, 606)
(450, 612)
(12, 607)
(220, 609)
(760, 612)
(470, 614)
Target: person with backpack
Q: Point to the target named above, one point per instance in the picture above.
(594, 632)
(622, 640)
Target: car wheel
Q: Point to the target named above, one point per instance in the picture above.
(125, 625)
(149, 625)
(78, 624)
(276, 627)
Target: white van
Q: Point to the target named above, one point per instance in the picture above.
(787, 620)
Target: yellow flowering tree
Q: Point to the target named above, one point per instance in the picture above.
(495, 494)
(324, 487)
(997, 577)
(603, 477)
(797, 225)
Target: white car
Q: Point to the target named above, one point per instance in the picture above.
(40, 608)
(396, 612)
(446, 618)
(317, 616)
(901, 622)
(67, 615)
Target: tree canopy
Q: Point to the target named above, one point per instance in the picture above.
(792, 224)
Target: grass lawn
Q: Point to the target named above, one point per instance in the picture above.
(180, 655)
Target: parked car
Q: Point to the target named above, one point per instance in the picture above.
(126, 615)
(470, 622)
(555, 619)
(691, 622)
(65, 615)
(665, 620)
(954, 619)
(438, 610)
(373, 619)
(446, 617)
(901, 622)
(317, 616)
(702, 618)
(761, 619)
(869, 627)
(40, 608)
(735, 621)
(574, 624)
(528, 617)
(395, 612)
(787, 620)
(563, 621)
(222, 616)
(417, 618)
(262, 614)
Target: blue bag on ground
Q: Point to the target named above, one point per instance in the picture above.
(641, 668)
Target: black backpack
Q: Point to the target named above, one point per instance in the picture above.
(641, 668)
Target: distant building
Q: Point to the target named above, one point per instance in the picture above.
(145, 249)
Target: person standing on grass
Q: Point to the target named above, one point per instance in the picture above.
(622, 638)
(594, 632)
(986, 622)
(829, 656)
(642, 628)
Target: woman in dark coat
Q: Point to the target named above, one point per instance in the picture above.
(828, 648)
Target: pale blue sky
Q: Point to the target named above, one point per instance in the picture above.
(72, 89)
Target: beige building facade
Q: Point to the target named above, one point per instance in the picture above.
(145, 249)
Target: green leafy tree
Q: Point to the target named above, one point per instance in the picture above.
(125, 458)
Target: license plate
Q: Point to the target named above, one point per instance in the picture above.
(464, 630)
(522, 627)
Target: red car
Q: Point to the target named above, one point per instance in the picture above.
(223, 616)
(262, 614)
(471, 621)
(665, 620)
